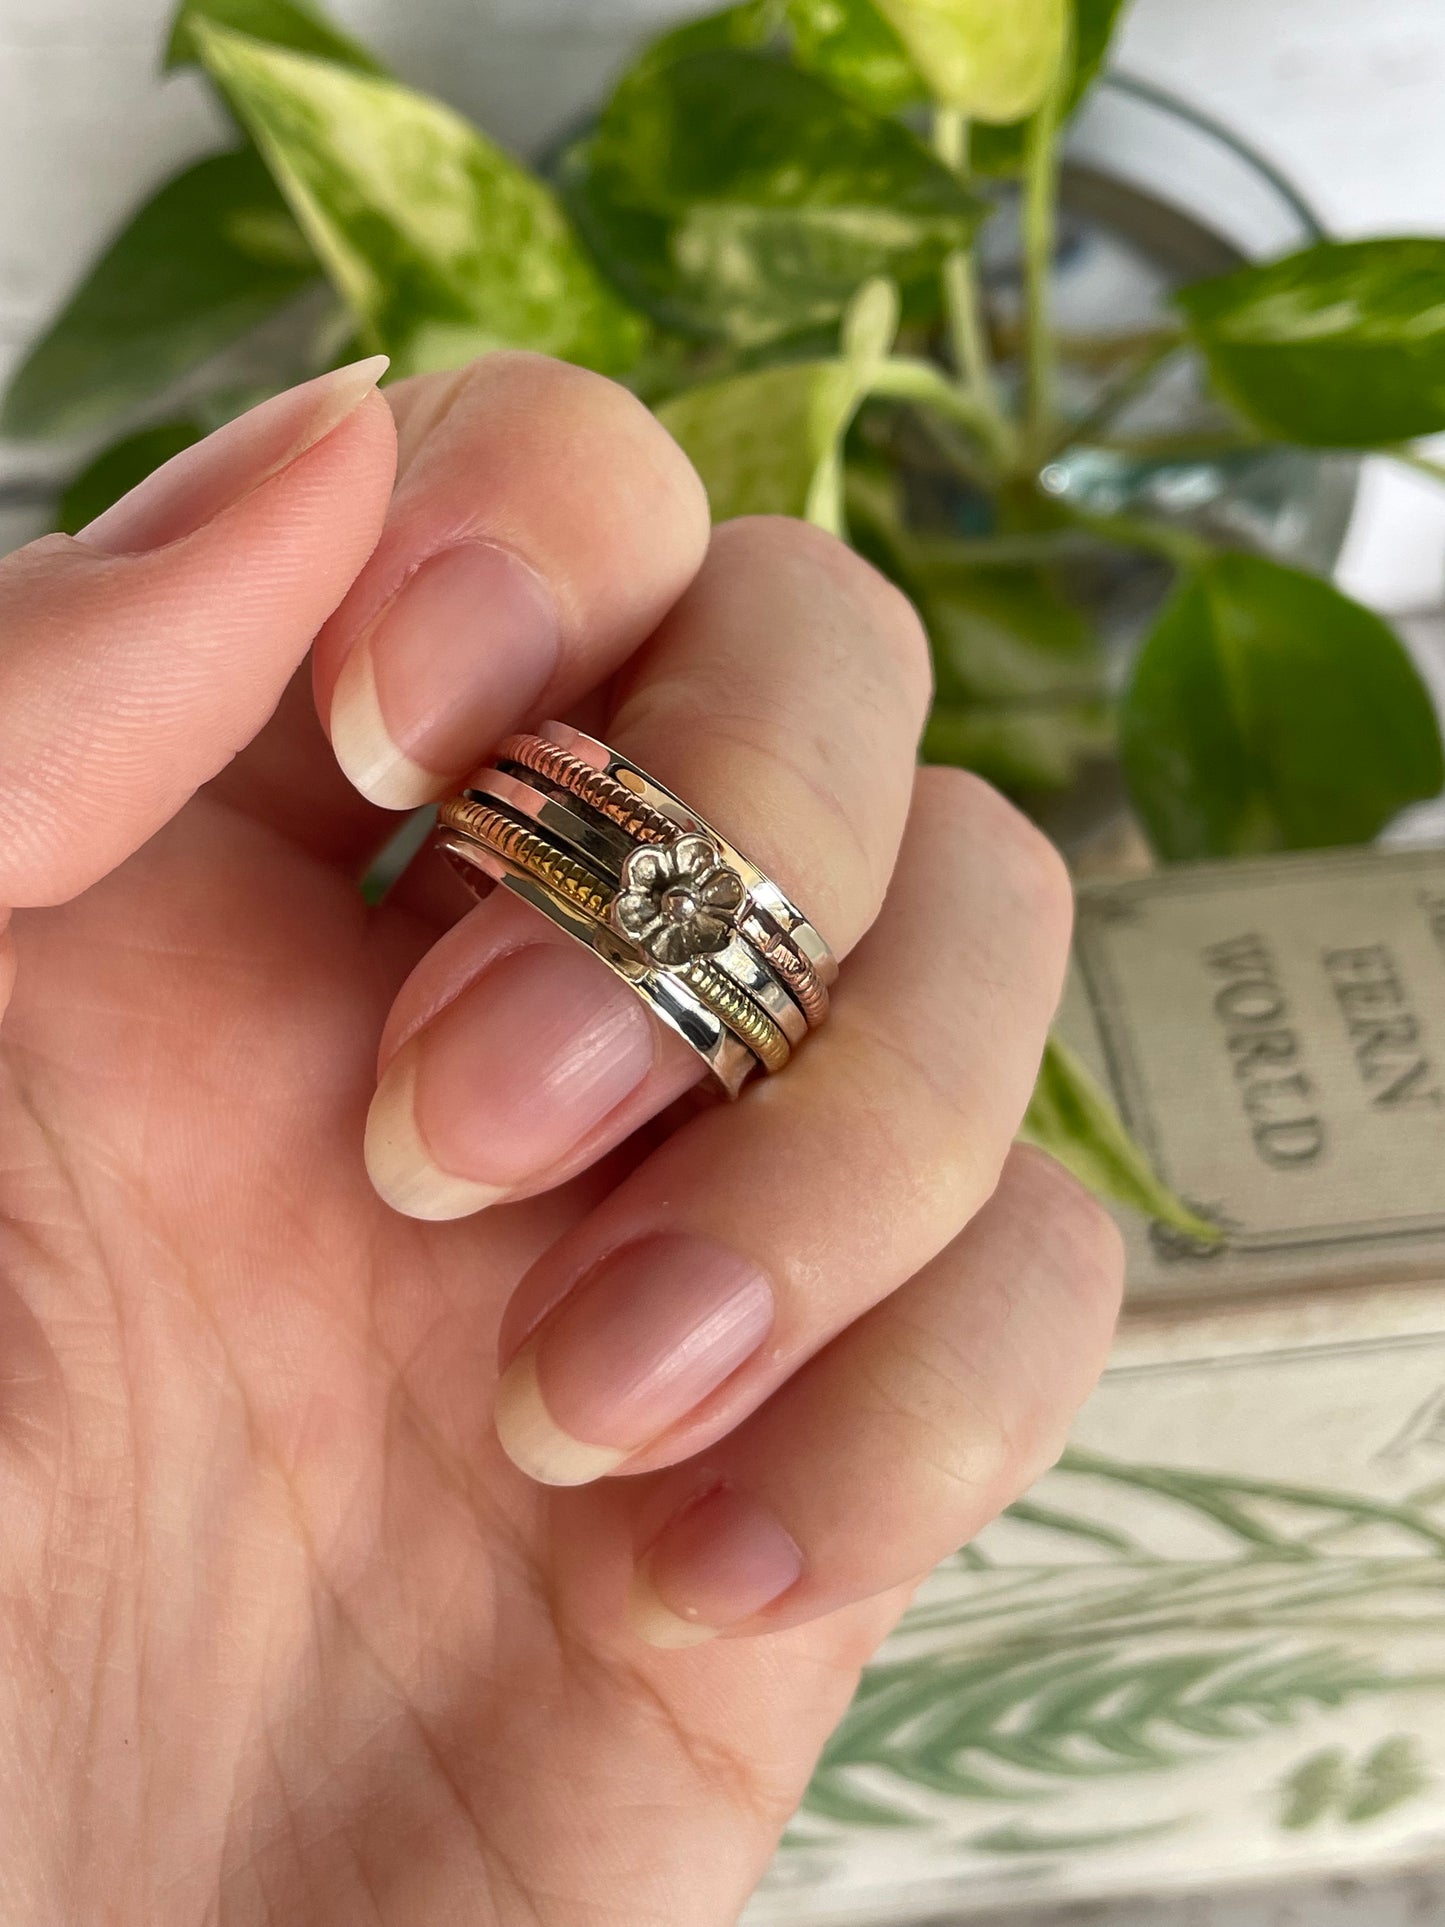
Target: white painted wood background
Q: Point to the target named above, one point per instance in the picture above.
(1347, 95)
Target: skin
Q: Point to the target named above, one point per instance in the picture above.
(284, 1633)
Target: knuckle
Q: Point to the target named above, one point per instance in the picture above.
(898, 1096)
(882, 617)
(920, 1388)
(1035, 871)
(578, 423)
(1087, 1246)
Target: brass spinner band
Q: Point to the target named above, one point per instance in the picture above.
(649, 825)
(534, 853)
(709, 941)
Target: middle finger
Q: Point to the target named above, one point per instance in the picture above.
(783, 697)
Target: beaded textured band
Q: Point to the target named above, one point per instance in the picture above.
(649, 825)
(713, 946)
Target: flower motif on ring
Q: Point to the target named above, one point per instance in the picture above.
(679, 901)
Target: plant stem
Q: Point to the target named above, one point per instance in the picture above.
(947, 408)
(1176, 545)
(1422, 464)
(963, 305)
(1117, 397)
(1027, 549)
(1180, 448)
(1040, 230)
(911, 378)
(1088, 350)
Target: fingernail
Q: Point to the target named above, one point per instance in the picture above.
(198, 484)
(718, 1562)
(506, 1081)
(635, 1345)
(463, 649)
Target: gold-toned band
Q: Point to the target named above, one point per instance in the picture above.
(530, 851)
(738, 1011)
(538, 856)
(641, 820)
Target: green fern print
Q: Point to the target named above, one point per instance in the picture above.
(1328, 1786)
(1022, 1681)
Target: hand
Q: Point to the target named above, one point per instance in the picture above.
(284, 1635)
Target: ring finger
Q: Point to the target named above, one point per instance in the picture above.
(926, 1418)
(758, 1232)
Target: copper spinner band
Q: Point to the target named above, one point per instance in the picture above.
(649, 825)
(534, 853)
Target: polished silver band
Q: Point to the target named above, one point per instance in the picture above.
(719, 953)
(607, 848)
(619, 790)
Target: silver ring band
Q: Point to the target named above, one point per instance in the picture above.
(596, 844)
(717, 950)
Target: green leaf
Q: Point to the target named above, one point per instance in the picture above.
(440, 243)
(1339, 346)
(1019, 672)
(119, 468)
(1021, 693)
(1004, 634)
(281, 23)
(760, 440)
(854, 48)
(751, 25)
(211, 255)
(1000, 150)
(731, 195)
(770, 442)
(1095, 24)
(989, 62)
(1269, 712)
(1020, 748)
(1071, 1118)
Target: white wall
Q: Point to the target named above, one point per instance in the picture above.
(1346, 94)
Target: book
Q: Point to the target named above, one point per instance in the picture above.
(1210, 1646)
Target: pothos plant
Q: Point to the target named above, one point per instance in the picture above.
(769, 231)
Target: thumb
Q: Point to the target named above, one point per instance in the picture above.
(138, 657)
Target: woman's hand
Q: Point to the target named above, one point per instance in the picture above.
(284, 1634)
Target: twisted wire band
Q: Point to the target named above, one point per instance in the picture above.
(529, 851)
(604, 793)
(738, 1011)
(542, 859)
(631, 813)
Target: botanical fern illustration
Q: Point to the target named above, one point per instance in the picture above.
(1394, 1773)
(1007, 1683)
(1284, 1521)
(990, 1728)
(1315, 1788)
(1328, 1786)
